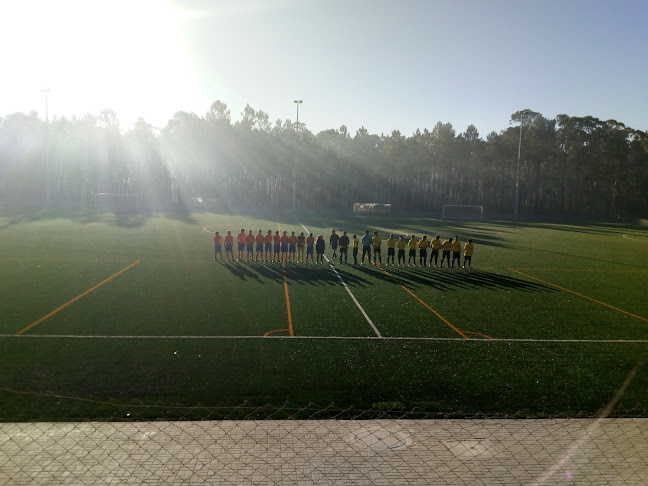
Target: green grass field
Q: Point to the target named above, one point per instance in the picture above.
(555, 316)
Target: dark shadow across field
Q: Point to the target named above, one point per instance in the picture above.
(448, 279)
(123, 219)
(300, 274)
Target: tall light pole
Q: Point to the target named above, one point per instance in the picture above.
(297, 102)
(48, 184)
(516, 211)
(46, 90)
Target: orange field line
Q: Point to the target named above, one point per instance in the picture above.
(463, 335)
(580, 295)
(76, 298)
(290, 325)
(276, 330)
(283, 266)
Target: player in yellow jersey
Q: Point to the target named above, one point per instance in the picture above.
(435, 244)
(423, 246)
(456, 251)
(391, 249)
(401, 244)
(468, 251)
(375, 242)
(446, 246)
(301, 244)
(412, 244)
(354, 244)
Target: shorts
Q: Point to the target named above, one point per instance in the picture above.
(292, 248)
(228, 248)
(259, 248)
(456, 255)
(434, 252)
(423, 252)
(277, 248)
(376, 250)
(241, 246)
(401, 254)
(333, 247)
(343, 249)
(250, 248)
(467, 258)
(284, 248)
(446, 253)
(309, 250)
(268, 247)
(218, 249)
(391, 251)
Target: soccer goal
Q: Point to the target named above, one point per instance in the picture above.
(116, 202)
(462, 211)
(372, 208)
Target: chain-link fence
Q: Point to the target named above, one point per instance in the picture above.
(142, 444)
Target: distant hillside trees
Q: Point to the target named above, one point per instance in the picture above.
(575, 166)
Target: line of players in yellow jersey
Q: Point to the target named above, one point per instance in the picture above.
(450, 247)
(283, 248)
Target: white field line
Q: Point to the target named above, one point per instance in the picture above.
(331, 338)
(373, 326)
(589, 431)
(635, 239)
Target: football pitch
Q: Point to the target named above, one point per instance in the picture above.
(108, 316)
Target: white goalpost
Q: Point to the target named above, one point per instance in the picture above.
(462, 211)
(115, 201)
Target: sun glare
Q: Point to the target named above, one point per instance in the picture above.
(118, 54)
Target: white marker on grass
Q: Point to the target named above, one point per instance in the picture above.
(373, 326)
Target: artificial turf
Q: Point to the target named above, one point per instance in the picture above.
(178, 335)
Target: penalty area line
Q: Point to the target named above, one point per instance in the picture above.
(33, 324)
(580, 295)
(333, 338)
(368, 319)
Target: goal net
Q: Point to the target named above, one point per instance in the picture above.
(116, 202)
(462, 211)
(371, 208)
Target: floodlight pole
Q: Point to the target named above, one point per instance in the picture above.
(46, 90)
(297, 102)
(516, 211)
(48, 177)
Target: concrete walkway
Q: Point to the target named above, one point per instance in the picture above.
(382, 452)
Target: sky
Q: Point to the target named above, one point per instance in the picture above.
(382, 64)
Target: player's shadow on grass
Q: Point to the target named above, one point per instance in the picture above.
(447, 280)
(241, 270)
(296, 273)
(309, 274)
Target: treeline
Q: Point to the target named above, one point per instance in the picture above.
(576, 166)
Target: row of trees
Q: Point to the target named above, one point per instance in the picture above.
(579, 166)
